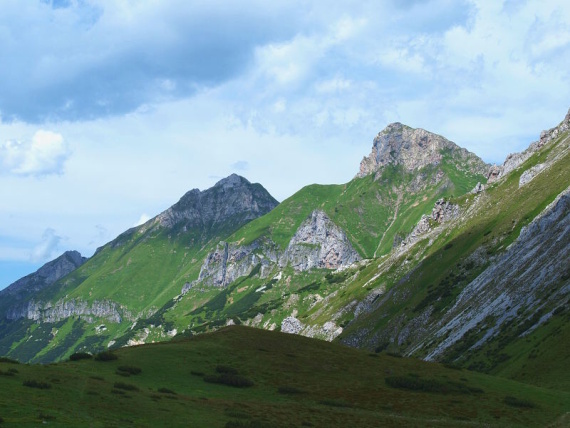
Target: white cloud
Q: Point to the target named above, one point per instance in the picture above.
(47, 248)
(44, 155)
(142, 219)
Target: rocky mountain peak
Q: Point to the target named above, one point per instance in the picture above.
(231, 202)
(412, 148)
(232, 181)
(46, 275)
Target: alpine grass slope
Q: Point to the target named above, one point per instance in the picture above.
(427, 252)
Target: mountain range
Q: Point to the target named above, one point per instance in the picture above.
(428, 252)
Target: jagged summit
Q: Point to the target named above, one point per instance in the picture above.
(232, 198)
(412, 148)
(45, 275)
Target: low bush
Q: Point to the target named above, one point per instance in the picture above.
(196, 373)
(166, 391)
(335, 403)
(125, 386)
(8, 360)
(80, 356)
(415, 383)
(106, 356)
(7, 373)
(233, 380)
(518, 402)
(131, 370)
(286, 389)
(36, 384)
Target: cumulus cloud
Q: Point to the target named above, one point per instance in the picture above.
(86, 60)
(45, 154)
(47, 248)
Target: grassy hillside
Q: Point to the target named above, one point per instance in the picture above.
(371, 210)
(417, 297)
(241, 377)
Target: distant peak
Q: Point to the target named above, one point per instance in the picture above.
(232, 180)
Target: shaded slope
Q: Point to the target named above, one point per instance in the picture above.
(292, 381)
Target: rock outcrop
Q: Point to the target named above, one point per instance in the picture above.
(530, 275)
(414, 149)
(319, 243)
(229, 261)
(514, 160)
(442, 212)
(62, 309)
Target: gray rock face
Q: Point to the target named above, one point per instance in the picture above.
(44, 276)
(413, 149)
(48, 312)
(531, 274)
(220, 210)
(514, 160)
(229, 261)
(477, 189)
(319, 243)
(291, 325)
(444, 211)
(232, 201)
(529, 174)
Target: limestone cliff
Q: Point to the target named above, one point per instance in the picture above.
(414, 149)
(319, 243)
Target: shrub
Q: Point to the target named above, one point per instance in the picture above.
(131, 370)
(46, 417)
(166, 391)
(196, 373)
(8, 360)
(106, 356)
(6, 373)
(286, 389)
(518, 402)
(335, 403)
(80, 356)
(233, 380)
(125, 386)
(430, 385)
(36, 384)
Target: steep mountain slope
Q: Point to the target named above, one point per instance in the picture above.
(488, 290)
(418, 254)
(42, 278)
(131, 276)
(243, 377)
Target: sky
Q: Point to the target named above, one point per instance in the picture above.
(110, 110)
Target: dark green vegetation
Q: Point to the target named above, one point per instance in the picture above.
(296, 381)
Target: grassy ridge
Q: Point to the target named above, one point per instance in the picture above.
(293, 381)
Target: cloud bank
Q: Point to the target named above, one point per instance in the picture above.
(45, 154)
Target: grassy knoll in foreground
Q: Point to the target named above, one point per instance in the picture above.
(243, 377)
